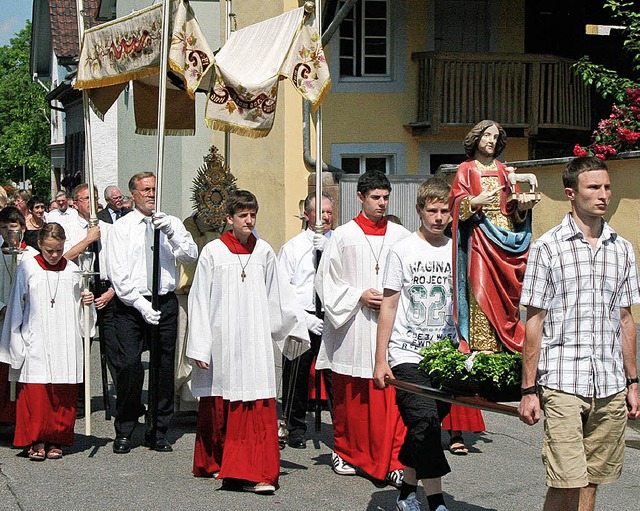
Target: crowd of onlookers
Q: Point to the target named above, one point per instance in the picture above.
(35, 208)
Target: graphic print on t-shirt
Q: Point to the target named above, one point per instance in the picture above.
(422, 274)
(429, 312)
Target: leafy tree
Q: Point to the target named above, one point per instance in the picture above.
(607, 82)
(620, 130)
(24, 123)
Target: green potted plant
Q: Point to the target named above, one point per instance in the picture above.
(494, 376)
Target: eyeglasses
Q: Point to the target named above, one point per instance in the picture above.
(146, 191)
(118, 198)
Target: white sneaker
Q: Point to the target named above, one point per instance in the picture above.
(411, 503)
(258, 487)
(441, 508)
(341, 467)
(395, 478)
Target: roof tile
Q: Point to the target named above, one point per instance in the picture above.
(64, 28)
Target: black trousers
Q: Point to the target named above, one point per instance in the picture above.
(107, 327)
(108, 334)
(422, 447)
(133, 337)
(295, 395)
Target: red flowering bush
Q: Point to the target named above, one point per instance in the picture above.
(617, 133)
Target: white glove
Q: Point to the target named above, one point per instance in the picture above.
(314, 323)
(319, 241)
(162, 221)
(149, 314)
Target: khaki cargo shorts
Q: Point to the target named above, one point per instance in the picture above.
(583, 438)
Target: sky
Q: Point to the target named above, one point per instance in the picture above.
(13, 14)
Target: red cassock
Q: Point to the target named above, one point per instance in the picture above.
(237, 439)
(368, 431)
(7, 407)
(45, 412)
(463, 418)
(495, 274)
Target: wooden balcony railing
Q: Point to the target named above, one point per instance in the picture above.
(517, 90)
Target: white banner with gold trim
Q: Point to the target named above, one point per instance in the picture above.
(128, 48)
(243, 96)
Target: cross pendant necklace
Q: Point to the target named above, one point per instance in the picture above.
(243, 266)
(53, 297)
(377, 258)
(243, 274)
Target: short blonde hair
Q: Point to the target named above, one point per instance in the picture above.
(433, 189)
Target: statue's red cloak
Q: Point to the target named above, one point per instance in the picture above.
(495, 274)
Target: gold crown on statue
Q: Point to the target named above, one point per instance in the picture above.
(211, 188)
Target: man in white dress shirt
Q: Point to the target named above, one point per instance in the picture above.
(298, 259)
(63, 214)
(81, 236)
(130, 263)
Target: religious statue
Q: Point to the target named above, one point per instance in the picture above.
(491, 233)
(211, 188)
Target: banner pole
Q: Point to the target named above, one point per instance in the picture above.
(93, 220)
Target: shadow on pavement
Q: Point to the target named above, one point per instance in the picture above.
(383, 500)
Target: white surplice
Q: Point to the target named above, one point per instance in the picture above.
(232, 323)
(347, 269)
(43, 341)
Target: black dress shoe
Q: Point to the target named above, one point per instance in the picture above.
(121, 445)
(160, 445)
(297, 442)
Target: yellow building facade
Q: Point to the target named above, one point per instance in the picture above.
(409, 79)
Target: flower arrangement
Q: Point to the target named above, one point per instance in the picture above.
(617, 133)
(495, 376)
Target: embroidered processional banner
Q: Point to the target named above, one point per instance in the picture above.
(128, 48)
(243, 96)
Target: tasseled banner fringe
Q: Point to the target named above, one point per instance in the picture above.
(167, 132)
(100, 115)
(117, 80)
(236, 129)
(323, 93)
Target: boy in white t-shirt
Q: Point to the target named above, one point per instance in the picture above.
(416, 310)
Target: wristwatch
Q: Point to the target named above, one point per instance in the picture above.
(631, 381)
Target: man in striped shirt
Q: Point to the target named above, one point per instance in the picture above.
(580, 347)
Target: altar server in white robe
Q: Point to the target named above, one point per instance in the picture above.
(239, 304)
(11, 219)
(367, 429)
(42, 341)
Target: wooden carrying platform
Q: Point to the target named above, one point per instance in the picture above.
(471, 401)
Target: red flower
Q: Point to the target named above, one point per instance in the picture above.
(620, 131)
(578, 150)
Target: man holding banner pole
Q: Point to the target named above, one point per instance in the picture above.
(131, 274)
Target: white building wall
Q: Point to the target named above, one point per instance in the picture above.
(57, 117)
(105, 150)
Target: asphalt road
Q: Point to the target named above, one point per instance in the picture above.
(502, 472)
